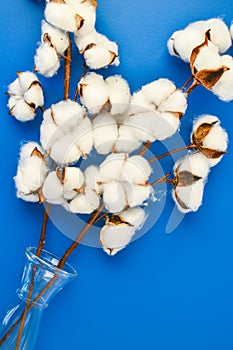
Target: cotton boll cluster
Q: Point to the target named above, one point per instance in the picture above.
(190, 177)
(97, 50)
(124, 181)
(182, 42)
(119, 229)
(71, 15)
(209, 138)
(73, 189)
(202, 44)
(66, 132)
(31, 173)
(54, 42)
(156, 110)
(25, 95)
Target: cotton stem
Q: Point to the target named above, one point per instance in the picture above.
(171, 152)
(68, 59)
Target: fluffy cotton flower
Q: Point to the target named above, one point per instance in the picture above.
(97, 50)
(66, 132)
(76, 191)
(182, 42)
(25, 95)
(156, 110)
(54, 42)
(124, 181)
(31, 173)
(209, 138)
(190, 176)
(120, 228)
(72, 15)
(97, 93)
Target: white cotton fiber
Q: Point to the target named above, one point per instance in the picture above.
(15, 88)
(67, 113)
(26, 79)
(143, 126)
(90, 175)
(176, 102)
(127, 141)
(224, 87)
(137, 194)
(135, 216)
(65, 151)
(34, 95)
(94, 92)
(22, 111)
(157, 91)
(195, 163)
(58, 38)
(119, 94)
(83, 136)
(136, 169)
(111, 168)
(115, 238)
(52, 188)
(105, 133)
(165, 125)
(191, 196)
(46, 60)
(85, 203)
(61, 16)
(74, 179)
(99, 57)
(114, 196)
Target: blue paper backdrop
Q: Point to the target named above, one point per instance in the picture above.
(164, 291)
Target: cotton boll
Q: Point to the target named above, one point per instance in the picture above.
(15, 88)
(12, 102)
(52, 188)
(85, 203)
(224, 87)
(105, 133)
(137, 194)
(65, 151)
(99, 57)
(219, 32)
(195, 163)
(84, 136)
(158, 90)
(90, 175)
(176, 102)
(112, 167)
(126, 142)
(205, 118)
(62, 16)
(83, 41)
(88, 13)
(22, 111)
(26, 79)
(46, 60)
(94, 92)
(217, 139)
(114, 238)
(34, 95)
(134, 216)
(186, 40)
(114, 196)
(190, 197)
(73, 180)
(136, 169)
(119, 94)
(165, 125)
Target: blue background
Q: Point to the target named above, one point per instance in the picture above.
(164, 291)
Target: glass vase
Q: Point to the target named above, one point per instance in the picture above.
(41, 281)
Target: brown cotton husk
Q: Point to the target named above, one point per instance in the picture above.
(47, 39)
(35, 83)
(37, 153)
(79, 21)
(209, 77)
(82, 87)
(58, 1)
(185, 178)
(113, 55)
(61, 174)
(212, 153)
(41, 196)
(201, 132)
(197, 50)
(117, 220)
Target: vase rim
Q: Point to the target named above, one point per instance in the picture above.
(66, 272)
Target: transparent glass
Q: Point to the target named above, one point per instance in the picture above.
(48, 280)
